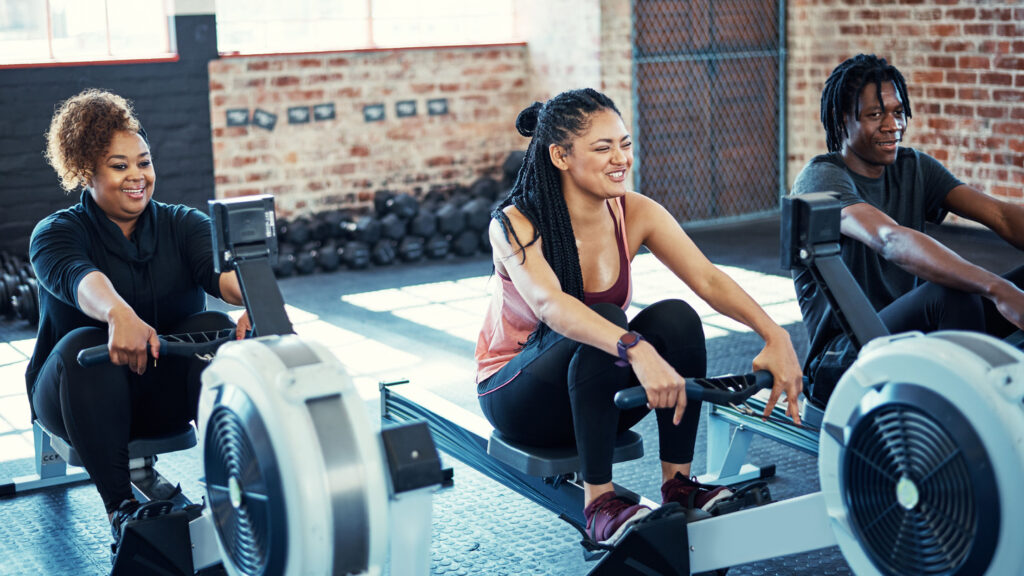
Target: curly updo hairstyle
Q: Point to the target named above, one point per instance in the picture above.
(537, 191)
(80, 131)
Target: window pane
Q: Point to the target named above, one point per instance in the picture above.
(263, 26)
(411, 23)
(79, 29)
(23, 31)
(138, 29)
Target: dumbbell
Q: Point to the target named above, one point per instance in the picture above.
(384, 252)
(510, 169)
(477, 212)
(327, 256)
(436, 247)
(285, 265)
(392, 226)
(466, 243)
(354, 254)
(8, 286)
(450, 219)
(365, 229)
(328, 225)
(423, 224)
(297, 231)
(404, 206)
(410, 248)
(305, 258)
(25, 301)
(485, 187)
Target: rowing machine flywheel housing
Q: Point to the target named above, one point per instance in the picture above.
(294, 472)
(921, 456)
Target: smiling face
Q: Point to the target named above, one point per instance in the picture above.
(123, 180)
(599, 160)
(874, 132)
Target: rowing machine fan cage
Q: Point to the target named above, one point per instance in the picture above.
(294, 472)
(921, 456)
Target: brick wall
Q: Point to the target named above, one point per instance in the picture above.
(964, 64)
(316, 165)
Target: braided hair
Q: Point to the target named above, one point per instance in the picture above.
(537, 191)
(842, 93)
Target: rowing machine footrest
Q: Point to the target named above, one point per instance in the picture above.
(138, 448)
(746, 496)
(656, 544)
(555, 461)
(161, 541)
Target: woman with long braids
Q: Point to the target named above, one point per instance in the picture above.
(556, 343)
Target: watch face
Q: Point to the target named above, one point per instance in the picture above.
(628, 339)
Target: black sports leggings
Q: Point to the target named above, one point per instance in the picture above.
(931, 307)
(99, 409)
(560, 392)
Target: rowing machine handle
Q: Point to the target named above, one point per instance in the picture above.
(636, 396)
(88, 357)
(97, 355)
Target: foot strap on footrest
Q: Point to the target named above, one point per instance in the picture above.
(747, 495)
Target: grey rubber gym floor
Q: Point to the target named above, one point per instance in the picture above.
(419, 322)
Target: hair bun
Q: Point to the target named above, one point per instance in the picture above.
(526, 122)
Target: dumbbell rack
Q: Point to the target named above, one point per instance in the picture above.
(402, 228)
(18, 290)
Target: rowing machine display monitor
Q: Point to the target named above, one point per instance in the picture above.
(243, 228)
(245, 240)
(808, 220)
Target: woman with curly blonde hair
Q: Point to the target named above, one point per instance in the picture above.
(117, 268)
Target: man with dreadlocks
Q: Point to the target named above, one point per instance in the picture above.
(556, 344)
(887, 192)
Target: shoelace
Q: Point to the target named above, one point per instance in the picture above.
(612, 507)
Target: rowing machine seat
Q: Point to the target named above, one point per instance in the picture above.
(138, 448)
(547, 461)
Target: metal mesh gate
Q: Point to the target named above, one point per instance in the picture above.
(707, 80)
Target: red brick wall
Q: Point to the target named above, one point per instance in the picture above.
(963, 61)
(341, 162)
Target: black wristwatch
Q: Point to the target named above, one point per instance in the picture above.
(627, 341)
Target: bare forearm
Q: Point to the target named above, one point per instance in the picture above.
(98, 299)
(724, 295)
(230, 289)
(576, 321)
(926, 258)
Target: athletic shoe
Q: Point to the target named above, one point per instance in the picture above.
(692, 494)
(608, 517)
(132, 511)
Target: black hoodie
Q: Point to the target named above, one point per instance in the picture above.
(164, 271)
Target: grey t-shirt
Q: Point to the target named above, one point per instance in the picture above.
(911, 191)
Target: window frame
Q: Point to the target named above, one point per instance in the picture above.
(170, 55)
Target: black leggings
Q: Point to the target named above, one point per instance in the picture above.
(99, 409)
(558, 392)
(931, 307)
(927, 308)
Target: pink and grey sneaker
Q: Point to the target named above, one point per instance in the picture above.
(608, 517)
(692, 494)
